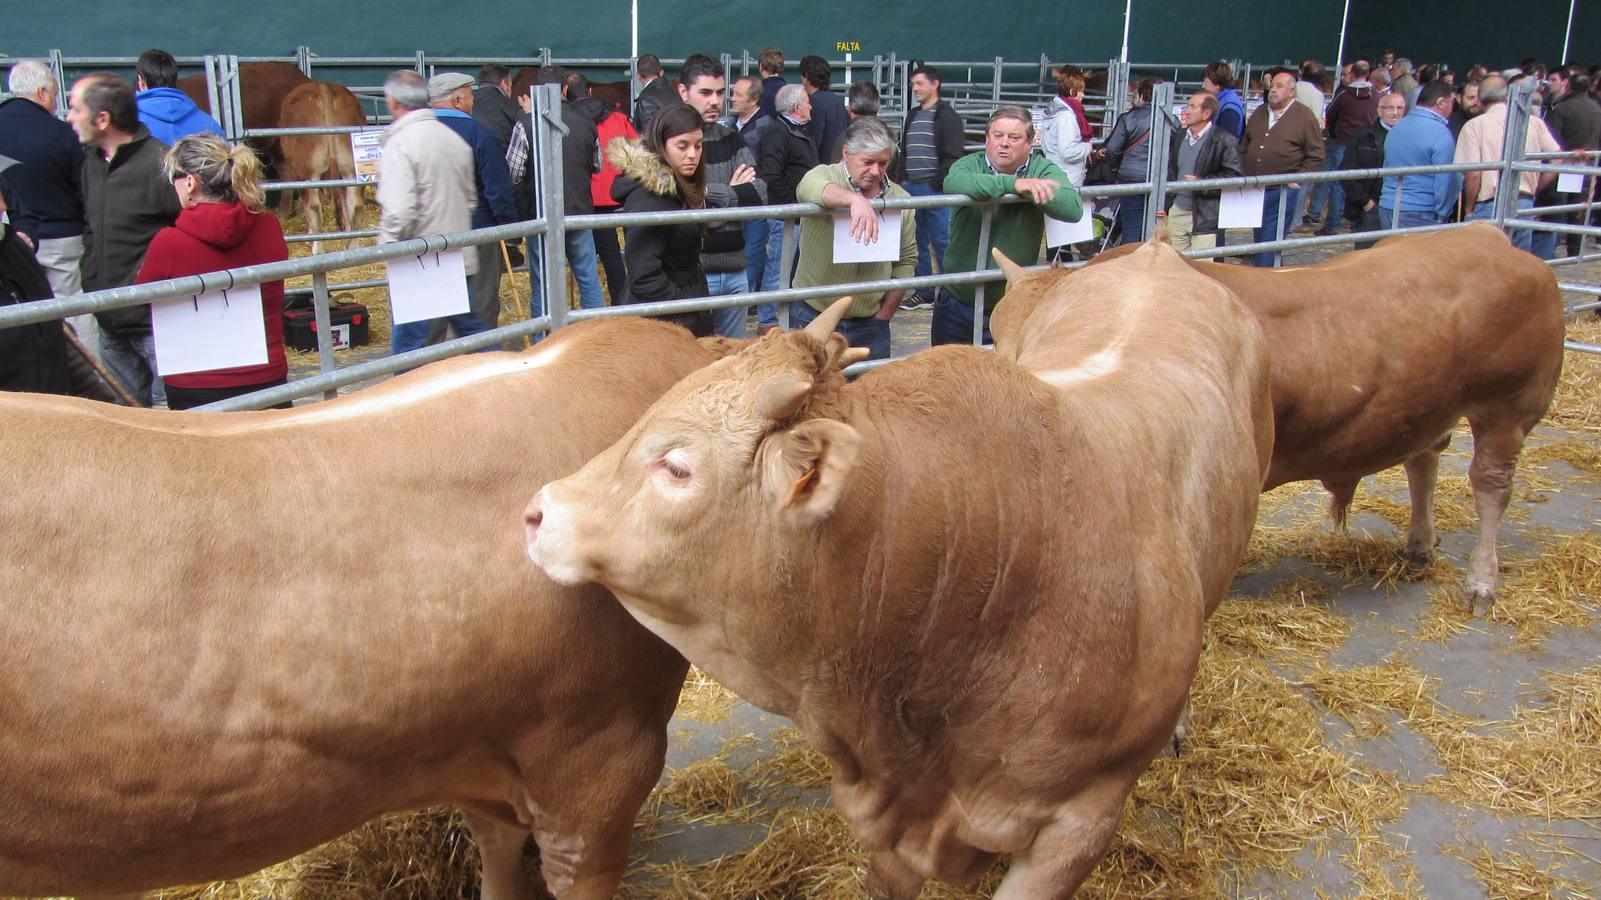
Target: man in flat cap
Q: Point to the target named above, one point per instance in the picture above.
(425, 186)
(451, 96)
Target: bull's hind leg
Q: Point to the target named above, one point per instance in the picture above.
(1066, 850)
(500, 850)
(890, 878)
(1496, 445)
(1422, 471)
(348, 200)
(313, 205)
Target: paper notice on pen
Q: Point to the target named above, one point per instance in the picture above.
(887, 248)
(1241, 208)
(1059, 233)
(218, 330)
(1570, 183)
(427, 286)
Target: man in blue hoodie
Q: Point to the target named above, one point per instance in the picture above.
(165, 110)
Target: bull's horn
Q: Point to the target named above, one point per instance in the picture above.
(781, 396)
(828, 319)
(1013, 270)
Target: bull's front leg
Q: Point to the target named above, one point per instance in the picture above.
(1422, 473)
(890, 878)
(1495, 457)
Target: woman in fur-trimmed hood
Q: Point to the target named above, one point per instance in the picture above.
(660, 172)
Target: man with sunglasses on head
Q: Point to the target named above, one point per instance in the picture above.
(127, 198)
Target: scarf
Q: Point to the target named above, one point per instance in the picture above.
(1077, 106)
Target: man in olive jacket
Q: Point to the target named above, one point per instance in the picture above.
(127, 198)
(1197, 151)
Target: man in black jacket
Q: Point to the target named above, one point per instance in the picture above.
(828, 110)
(931, 141)
(1197, 151)
(654, 91)
(787, 154)
(127, 199)
(1365, 150)
(492, 104)
(1575, 121)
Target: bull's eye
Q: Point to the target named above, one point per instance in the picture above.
(676, 464)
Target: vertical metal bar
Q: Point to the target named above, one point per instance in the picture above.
(878, 72)
(744, 63)
(978, 289)
(59, 72)
(786, 265)
(210, 64)
(303, 59)
(849, 74)
(544, 57)
(547, 124)
(1339, 52)
(1158, 144)
(1517, 129)
(1284, 197)
(422, 64)
(728, 63)
(995, 81)
(325, 336)
(237, 110)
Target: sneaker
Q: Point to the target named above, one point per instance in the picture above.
(1327, 230)
(917, 301)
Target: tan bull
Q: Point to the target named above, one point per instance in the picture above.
(976, 581)
(1378, 354)
(231, 638)
(322, 157)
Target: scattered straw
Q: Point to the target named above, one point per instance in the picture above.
(704, 700)
(1292, 616)
(1560, 588)
(704, 790)
(1366, 695)
(1577, 404)
(1580, 454)
(793, 763)
(1514, 875)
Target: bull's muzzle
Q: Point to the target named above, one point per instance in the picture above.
(548, 534)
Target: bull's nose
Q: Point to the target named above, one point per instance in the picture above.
(533, 517)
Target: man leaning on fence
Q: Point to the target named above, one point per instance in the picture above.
(1201, 149)
(852, 184)
(1482, 140)
(1282, 137)
(1008, 164)
(425, 186)
(1421, 138)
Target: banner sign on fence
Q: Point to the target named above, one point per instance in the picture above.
(1242, 208)
(886, 248)
(427, 286)
(218, 330)
(364, 147)
(1059, 233)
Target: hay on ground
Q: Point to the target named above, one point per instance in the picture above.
(1577, 404)
(1515, 875)
(704, 700)
(1560, 588)
(704, 790)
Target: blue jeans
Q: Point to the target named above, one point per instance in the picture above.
(870, 332)
(933, 232)
(953, 322)
(764, 242)
(1272, 229)
(581, 261)
(133, 361)
(1131, 219)
(1328, 197)
(1410, 218)
(1522, 238)
(413, 335)
(728, 322)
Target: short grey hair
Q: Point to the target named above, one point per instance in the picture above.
(869, 135)
(29, 77)
(1012, 112)
(1404, 65)
(789, 97)
(1492, 89)
(408, 89)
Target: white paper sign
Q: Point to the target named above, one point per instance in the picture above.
(219, 330)
(366, 151)
(1241, 208)
(428, 286)
(887, 248)
(1059, 233)
(1570, 183)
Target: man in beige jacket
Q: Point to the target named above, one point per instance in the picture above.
(425, 186)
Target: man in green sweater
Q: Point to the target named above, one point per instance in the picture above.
(853, 184)
(1007, 165)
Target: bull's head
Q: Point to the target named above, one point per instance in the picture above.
(730, 473)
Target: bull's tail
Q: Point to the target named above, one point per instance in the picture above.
(1159, 233)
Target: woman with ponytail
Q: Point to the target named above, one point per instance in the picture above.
(224, 225)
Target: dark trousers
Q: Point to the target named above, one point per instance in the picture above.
(611, 258)
(189, 398)
(868, 332)
(1367, 221)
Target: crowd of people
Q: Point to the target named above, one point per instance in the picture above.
(137, 185)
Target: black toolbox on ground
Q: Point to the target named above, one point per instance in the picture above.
(351, 326)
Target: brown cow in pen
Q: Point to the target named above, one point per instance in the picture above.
(321, 157)
(262, 89)
(230, 638)
(1377, 355)
(975, 580)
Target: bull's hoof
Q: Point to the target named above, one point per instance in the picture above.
(1475, 596)
(1420, 554)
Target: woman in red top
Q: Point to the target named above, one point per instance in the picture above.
(223, 225)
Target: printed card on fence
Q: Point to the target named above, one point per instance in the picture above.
(1059, 233)
(1241, 208)
(886, 249)
(218, 330)
(364, 147)
(1570, 183)
(427, 286)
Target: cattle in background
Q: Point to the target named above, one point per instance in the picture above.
(976, 581)
(322, 157)
(262, 89)
(1379, 353)
(226, 642)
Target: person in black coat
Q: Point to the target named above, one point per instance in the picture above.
(656, 94)
(1200, 150)
(1365, 150)
(492, 104)
(659, 173)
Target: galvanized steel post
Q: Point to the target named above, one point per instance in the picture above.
(1517, 130)
(59, 72)
(786, 265)
(303, 60)
(549, 128)
(1156, 154)
(325, 339)
(995, 81)
(978, 289)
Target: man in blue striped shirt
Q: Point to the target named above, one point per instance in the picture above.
(1421, 138)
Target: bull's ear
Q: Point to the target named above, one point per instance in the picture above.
(721, 347)
(815, 463)
(842, 354)
(781, 396)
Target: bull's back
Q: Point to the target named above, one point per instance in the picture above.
(322, 156)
